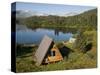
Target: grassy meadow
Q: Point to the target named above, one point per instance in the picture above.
(76, 59)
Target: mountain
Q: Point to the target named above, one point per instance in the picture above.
(28, 13)
(70, 14)
(23, 14)
(87, 18)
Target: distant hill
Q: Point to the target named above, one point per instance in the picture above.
(87, 18)
(28, 13)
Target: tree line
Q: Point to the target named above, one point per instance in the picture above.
(86, 19)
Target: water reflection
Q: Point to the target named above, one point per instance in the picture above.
(26, 35)
(56, 32)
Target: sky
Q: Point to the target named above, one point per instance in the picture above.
(52, 9)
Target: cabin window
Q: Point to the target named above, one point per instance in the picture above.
(52, 53)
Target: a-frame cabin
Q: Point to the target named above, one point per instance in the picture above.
(47, 52)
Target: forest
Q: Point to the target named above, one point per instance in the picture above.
(85, 19)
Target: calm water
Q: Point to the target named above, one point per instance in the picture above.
(25, 35)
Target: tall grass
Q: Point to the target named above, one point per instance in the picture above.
(75, 60)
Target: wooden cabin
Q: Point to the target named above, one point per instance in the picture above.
(47, 52)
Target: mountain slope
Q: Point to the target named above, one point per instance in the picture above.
(88, 18)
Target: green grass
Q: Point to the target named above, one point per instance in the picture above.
(75, 60)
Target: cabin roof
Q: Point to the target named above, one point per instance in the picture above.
(42, 49)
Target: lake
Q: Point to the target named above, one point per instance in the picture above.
(26, 35)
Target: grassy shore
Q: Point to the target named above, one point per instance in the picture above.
(74, 60)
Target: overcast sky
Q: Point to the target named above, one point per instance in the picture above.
(52, 9)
